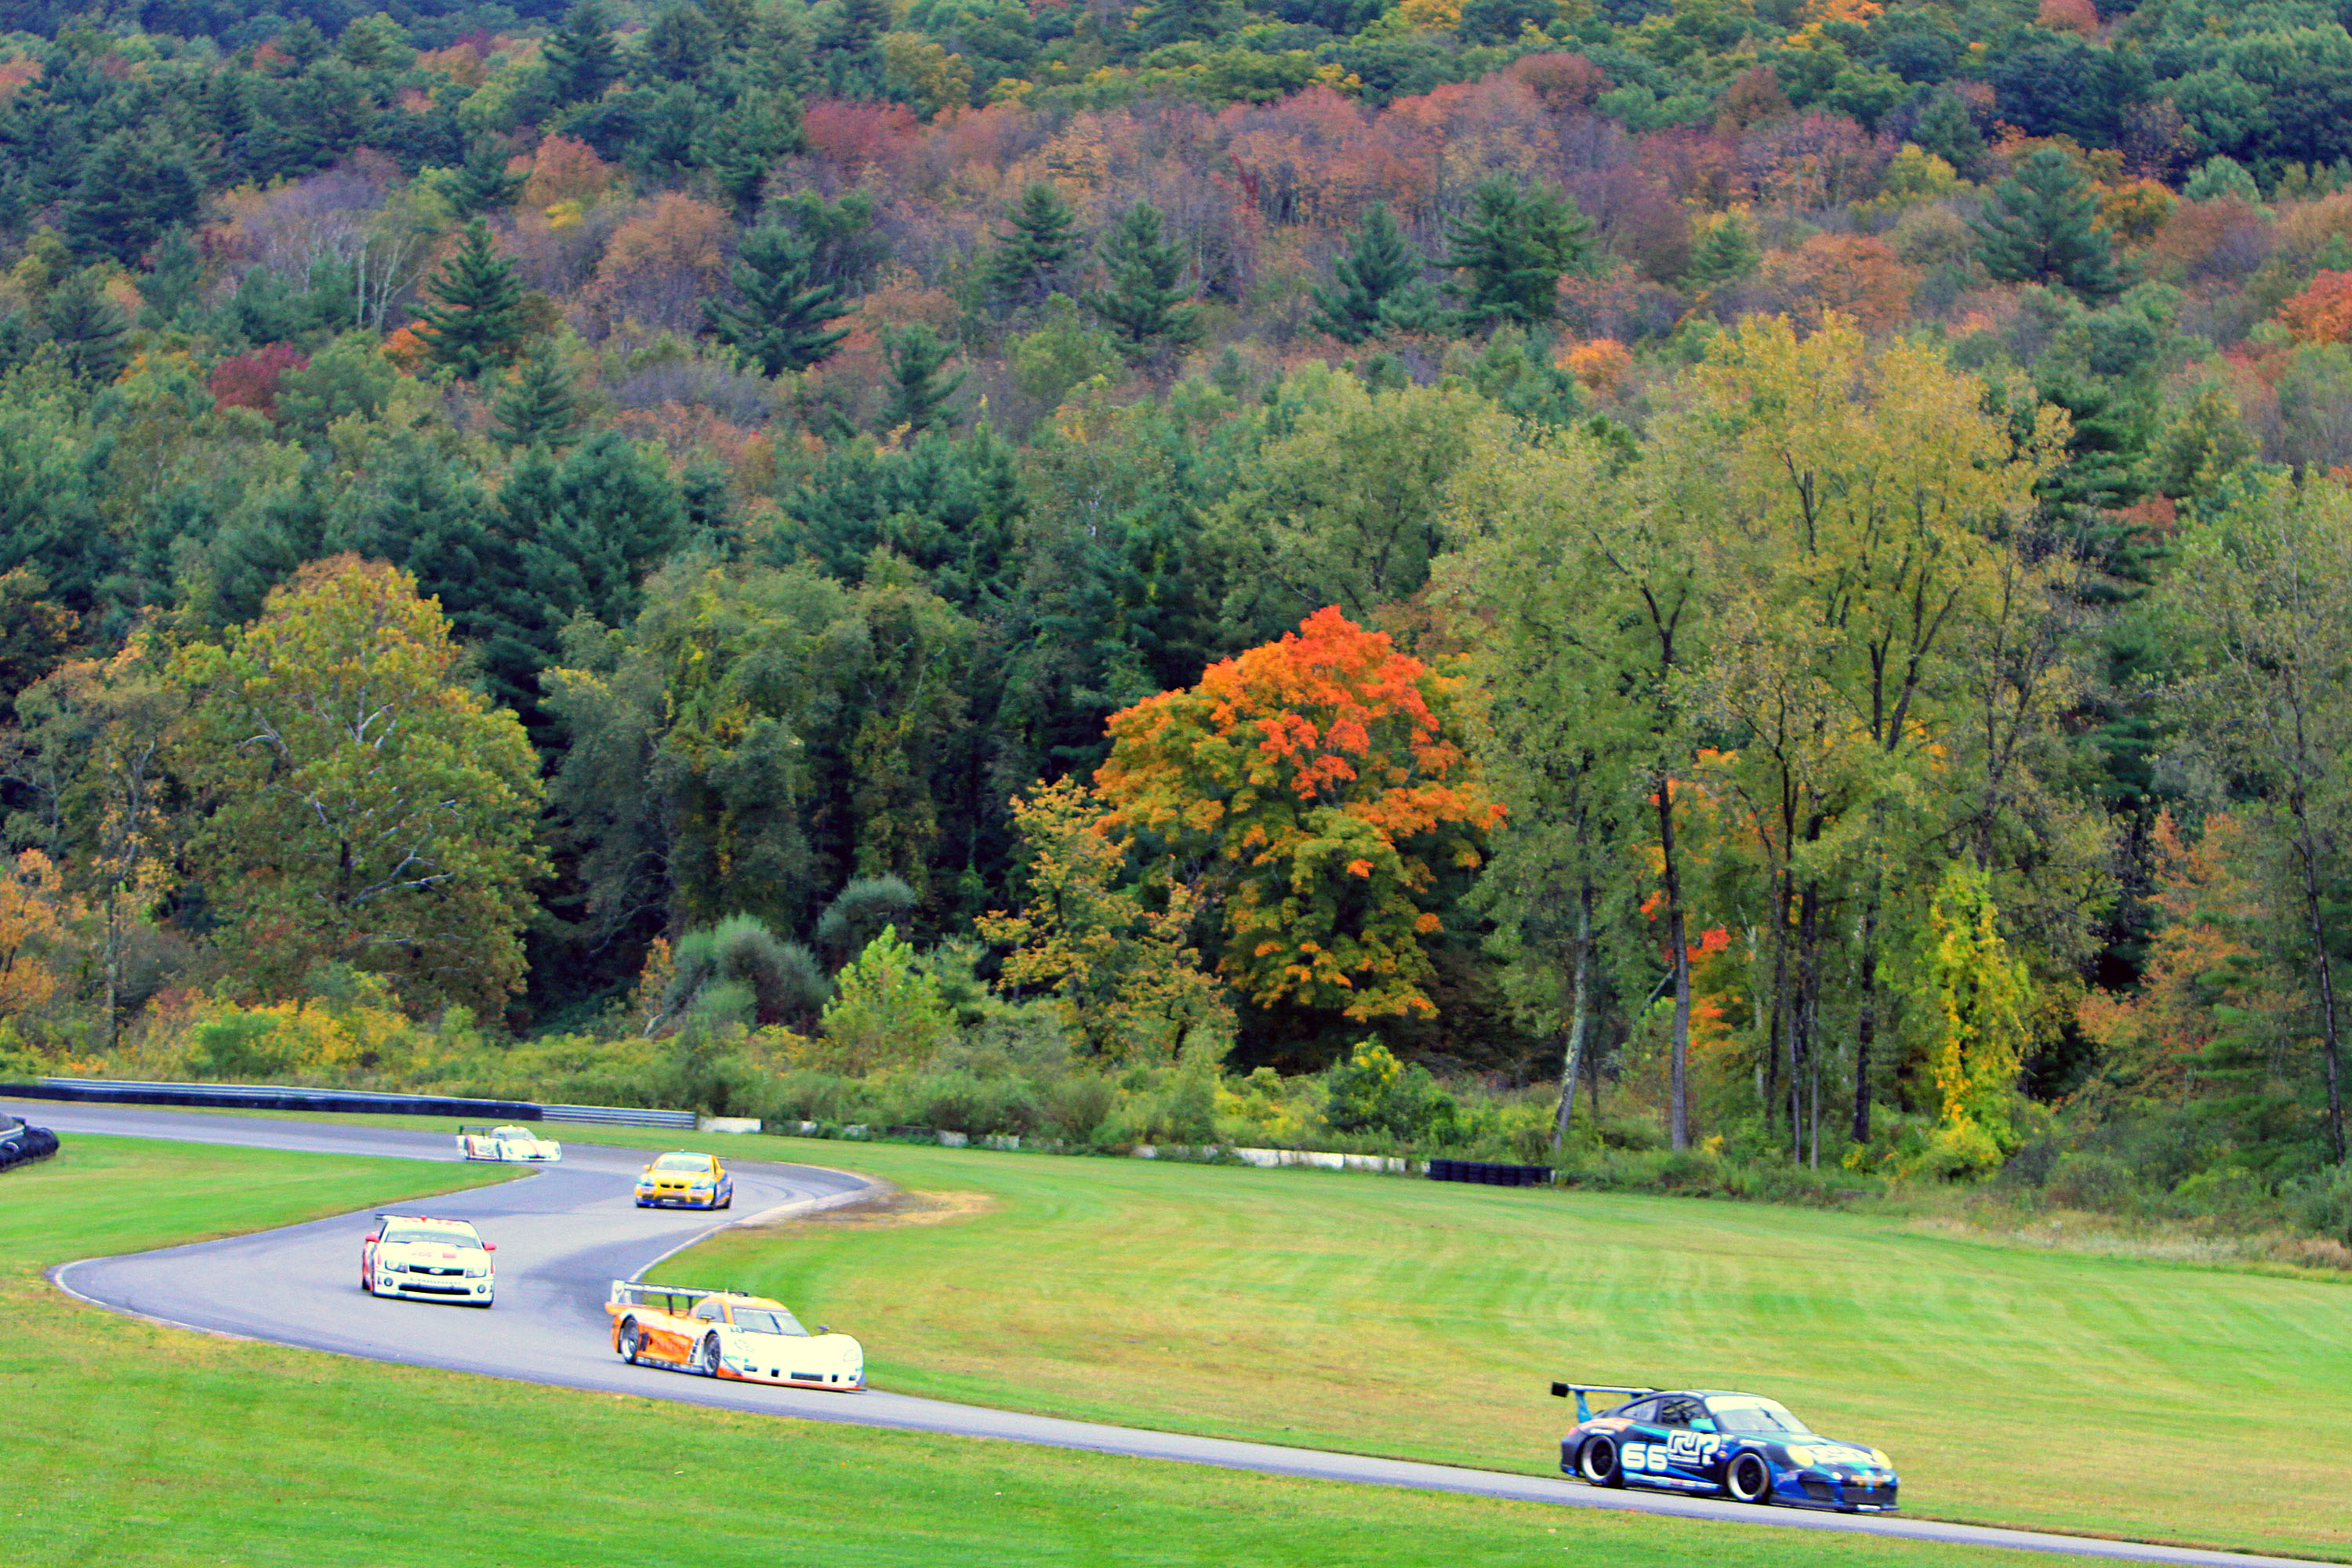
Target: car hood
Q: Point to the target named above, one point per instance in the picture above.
(837, 1345)
(430, 1252)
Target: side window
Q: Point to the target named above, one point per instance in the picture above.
(1645, 1410)
(1678, 1411)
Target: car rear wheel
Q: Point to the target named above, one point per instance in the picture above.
(708, 1364)
(1597, 1464)
(630, 1344)
(1748, 1478)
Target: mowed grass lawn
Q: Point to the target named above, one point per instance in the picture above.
(134, 1444)
(1410, 1318)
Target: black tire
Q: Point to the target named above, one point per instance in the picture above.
(1597, 1464)
(1747, 1478)
(707, 1363)
(629, 1340)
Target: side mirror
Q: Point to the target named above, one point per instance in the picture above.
(490, 1247)
(825, 1328)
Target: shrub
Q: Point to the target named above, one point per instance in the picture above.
(1371, 1092)
(779, 981)
(863, 910)
(2324, 1203)
(888, 1010)
(2096, 1182)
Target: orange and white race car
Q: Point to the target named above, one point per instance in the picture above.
(725, 1333)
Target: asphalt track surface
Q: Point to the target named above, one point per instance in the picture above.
(565, 1232)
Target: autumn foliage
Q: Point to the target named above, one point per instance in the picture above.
(2321, 313)
(1318, 779)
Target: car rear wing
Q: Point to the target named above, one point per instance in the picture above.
(661, 1298)
(1583, 1410)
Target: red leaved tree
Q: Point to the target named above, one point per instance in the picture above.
(250, 381)
(1317, 781)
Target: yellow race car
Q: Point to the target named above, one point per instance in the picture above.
(725, 1333)
(680, 1179)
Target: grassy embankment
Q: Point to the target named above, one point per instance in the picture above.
(2099, 1394)
(152, 1445)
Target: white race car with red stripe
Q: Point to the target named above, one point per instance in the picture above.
(514, 1145)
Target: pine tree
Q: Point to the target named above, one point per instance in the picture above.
(481, 185)
(1028, 261)
(1380, 264)
(1727, 253)
(918, 353)
(477, 325)
(2043, 228)
(1162, 22)
(1144, 303)
(1511, 247)
(86, 328)
(127, 197)
(582, 60)
(782, 324)
(741, 146)
(850, 46)
(539, 409)
(1946, 129)
(169, 291)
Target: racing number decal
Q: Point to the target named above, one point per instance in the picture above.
(1688, 1450)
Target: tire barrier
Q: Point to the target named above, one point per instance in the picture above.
(270, 1096)
(21, 1144)
(1491, 1175)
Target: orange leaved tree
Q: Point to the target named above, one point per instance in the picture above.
(1314, 785)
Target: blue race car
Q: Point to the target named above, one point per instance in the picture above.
(1705, 1442)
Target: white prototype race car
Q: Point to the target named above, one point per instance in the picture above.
(515, 1146)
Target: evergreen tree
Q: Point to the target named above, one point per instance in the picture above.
(87, 328)
(1511, 247)
(478, 323)
(169, 292)
(1946, 129)
(482, 185)
(1727, 253)
(2043, 228)
(538, 409)
(1162, 22)
(849, 45)
(739, 147)
(1380, 264)
(1029, 260)
(1144, 303)
(582, 60)
(127, 197)
(918, 354)
(682, 45)
(782, 324)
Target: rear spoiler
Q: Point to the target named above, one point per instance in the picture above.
(638, 1293)
(1584, 1411)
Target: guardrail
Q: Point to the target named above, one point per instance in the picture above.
(279, 1096)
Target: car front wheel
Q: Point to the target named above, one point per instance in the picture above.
(1597, 1464)
(1749, 1479)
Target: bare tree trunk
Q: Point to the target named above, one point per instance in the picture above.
(113, 970)
(1580, 1018)
(1680, 957)
(2308, 852)
(1780, 896)
(1866, 1022)
(1809, 989)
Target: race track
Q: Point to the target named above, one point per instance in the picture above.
(565, 1233)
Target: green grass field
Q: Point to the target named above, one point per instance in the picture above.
(2013, 1386)
(135, 1443)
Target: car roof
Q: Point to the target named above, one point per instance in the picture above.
(428, 1220)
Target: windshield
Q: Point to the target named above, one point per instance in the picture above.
(1759, 1418)
(521, 1133)
(761, 1320)
(450, 1237)
(697, 1162)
